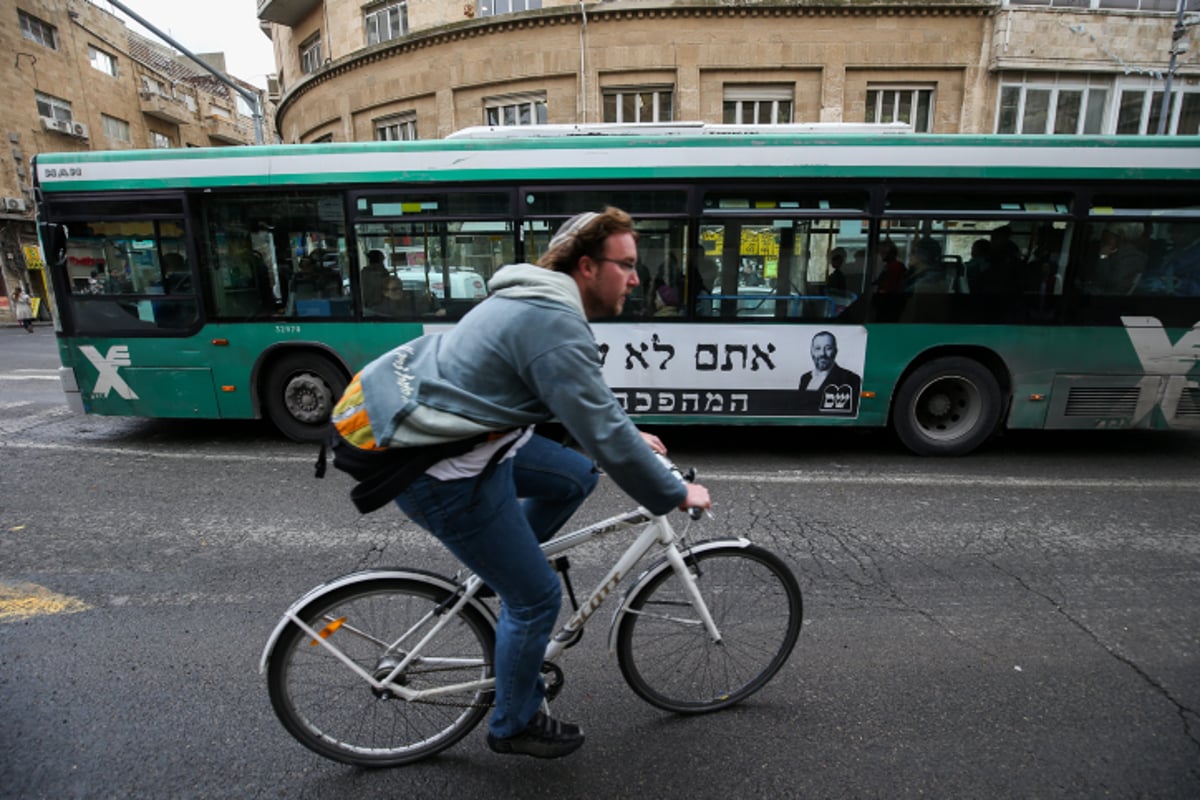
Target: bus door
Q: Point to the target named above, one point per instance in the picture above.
(126, 292)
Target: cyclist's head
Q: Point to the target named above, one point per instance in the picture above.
(584, 235)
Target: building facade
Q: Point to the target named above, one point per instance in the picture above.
(421, 69)
(79, 79)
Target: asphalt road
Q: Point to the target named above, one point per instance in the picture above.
(1024, 622)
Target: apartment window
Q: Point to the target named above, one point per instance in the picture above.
(53, 107)
(1122, 5)
(160, 140)
(490, 8)
(220, 112)
(105, 62)
(1139, 5)
(398, 128)
(639, 104)
(35, 30)
(310, 54)
(909, 104)
(1067, 107)
(509, 110)
(386, 23)
(765, 104)
(1140, 107)
(189, 100)
(116, 128)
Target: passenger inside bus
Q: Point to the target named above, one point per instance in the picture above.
(926, 270)
(374, 276)
(891, 269)
(400, 303)
(836, 280)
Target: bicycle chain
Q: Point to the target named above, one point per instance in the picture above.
(551, 689)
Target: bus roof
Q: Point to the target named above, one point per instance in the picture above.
(673, 129)
(620, 156)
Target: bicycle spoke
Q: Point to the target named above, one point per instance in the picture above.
(671, 661)
(333, 711)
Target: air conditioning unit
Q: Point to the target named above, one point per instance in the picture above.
(273, 89)
(14, 204)
(52, 124)
(79, 129)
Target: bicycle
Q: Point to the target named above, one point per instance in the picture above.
(383, 667)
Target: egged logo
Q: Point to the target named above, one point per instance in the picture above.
(837, 399)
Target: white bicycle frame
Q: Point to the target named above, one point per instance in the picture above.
(657, 531)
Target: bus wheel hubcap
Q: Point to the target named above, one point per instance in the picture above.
(308, 399)
(949, 407)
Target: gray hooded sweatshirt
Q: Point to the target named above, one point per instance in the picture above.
(525, 355)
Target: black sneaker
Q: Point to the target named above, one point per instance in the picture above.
(543, 737)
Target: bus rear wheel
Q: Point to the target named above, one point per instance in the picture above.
(947, 407)
(300, 392)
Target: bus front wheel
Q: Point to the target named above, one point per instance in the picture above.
(947, 407)
(300, 392)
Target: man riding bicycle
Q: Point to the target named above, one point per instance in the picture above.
(523, 356)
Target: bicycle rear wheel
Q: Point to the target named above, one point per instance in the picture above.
(334, 712)
(666, 654)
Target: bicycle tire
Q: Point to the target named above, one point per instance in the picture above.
(334, 712)
(671, 662)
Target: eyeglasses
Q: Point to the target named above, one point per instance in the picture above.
(628, 266)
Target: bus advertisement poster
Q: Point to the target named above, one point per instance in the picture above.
(743, 370)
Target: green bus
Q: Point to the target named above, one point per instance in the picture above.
(947, 287)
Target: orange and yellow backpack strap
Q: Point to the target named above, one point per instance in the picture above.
(350, 418)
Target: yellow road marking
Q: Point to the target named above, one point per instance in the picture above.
(20, 601)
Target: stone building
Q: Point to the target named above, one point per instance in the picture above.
(76, 78)
(401, 69)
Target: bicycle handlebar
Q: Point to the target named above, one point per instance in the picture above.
(684, 477)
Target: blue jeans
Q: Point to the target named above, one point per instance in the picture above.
(495, 534)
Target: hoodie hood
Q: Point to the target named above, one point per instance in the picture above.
(531, 282)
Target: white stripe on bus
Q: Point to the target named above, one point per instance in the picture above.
(276, 169)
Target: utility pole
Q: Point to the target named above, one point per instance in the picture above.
(1177, 46)
(250, 97)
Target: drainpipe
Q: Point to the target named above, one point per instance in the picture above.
(583, 62)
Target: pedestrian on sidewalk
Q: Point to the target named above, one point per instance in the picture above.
(24, 309)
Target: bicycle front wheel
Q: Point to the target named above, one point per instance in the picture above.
(333, 711)
(665, 652)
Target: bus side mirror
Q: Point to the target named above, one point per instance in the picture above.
(54, 243)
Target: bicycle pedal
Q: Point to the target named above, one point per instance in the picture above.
(553, 678)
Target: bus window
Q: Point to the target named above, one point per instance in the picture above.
(1142, 245)
(1173, 260)
(782, 255)
(270, 255)
(663, 281)
(430, 254)
(423, 269)
(129, 275)
(983, 257)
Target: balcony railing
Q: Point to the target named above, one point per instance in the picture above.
(220, 129)
(168, 109)
(285, 12)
